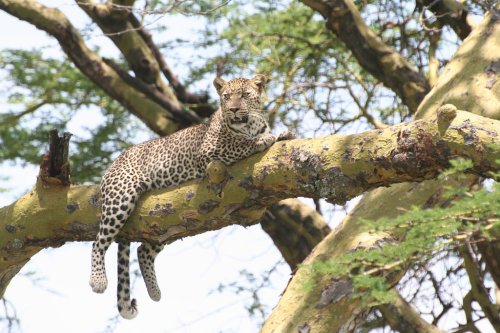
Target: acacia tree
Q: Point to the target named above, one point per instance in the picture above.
(341, 65)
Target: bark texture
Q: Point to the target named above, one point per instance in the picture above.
(335, 167)
(468, 79)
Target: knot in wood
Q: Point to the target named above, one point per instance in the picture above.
(216, 172)
(446, 113)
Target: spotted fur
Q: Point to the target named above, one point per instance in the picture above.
(237, 130)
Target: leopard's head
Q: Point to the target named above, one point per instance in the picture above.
(239, 98)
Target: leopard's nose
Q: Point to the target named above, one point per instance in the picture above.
(234, 109)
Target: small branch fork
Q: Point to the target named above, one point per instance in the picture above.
(120, 24)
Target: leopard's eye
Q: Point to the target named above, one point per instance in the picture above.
(246, 94)
(225, 96)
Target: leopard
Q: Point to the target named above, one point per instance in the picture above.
(238, 129)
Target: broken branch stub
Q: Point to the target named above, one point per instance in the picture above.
(55, 167)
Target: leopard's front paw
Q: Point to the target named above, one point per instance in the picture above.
(286, 135)
(98, 282)
(265, 141)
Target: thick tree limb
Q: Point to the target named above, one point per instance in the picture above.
(372, 53)
(464, 82)
(56, 24)
(335, 167)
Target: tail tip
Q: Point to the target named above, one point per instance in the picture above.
(128, 311)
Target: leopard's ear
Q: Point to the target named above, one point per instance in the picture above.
(260, 80)
(218, 84)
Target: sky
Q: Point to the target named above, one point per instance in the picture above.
(51, 294)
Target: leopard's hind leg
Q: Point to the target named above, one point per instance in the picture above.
(147, 254)
(117, 204)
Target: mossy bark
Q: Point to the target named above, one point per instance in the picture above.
(469, 82)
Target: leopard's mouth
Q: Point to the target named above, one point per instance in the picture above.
(239, 120)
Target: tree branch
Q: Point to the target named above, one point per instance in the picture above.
(183, 116)
(113, 21)
(469, 315)
(181, 92)
(336, 167)
(384, 63)
(478, 290)
(56, 24)
(470, 79)
(402, 317)
(490, 253)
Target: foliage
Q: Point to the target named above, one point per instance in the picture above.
(422, 234)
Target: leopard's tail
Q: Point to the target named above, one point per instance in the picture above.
(126, 307)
